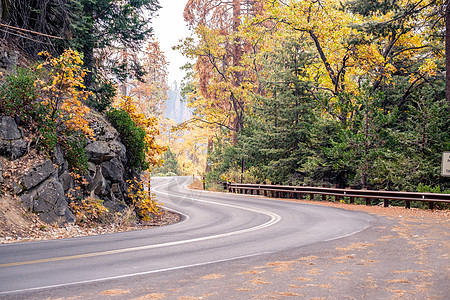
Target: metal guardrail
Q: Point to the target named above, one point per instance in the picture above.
(298, 192)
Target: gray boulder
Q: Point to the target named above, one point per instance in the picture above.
(58, 159)
(119, 150)
(113, 170)
(8, 59)
(17, 149)
(98, 152)
(12, 145)
(103, 131)
(37, 175)
(66, 181)
(8, 129)
(98, 184)
(49, 202)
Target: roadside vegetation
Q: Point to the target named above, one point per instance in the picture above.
(78, 56)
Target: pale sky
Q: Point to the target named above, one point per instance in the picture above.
(169, 27)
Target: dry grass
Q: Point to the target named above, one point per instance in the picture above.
(197, 184)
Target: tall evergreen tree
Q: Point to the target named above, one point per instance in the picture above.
(111, 25)
(278, 138)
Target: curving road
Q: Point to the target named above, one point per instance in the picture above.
(215, 227)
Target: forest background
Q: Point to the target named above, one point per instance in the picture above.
(321, 92)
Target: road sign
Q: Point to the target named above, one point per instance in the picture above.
(445, 164)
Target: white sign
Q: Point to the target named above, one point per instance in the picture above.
(445, 164)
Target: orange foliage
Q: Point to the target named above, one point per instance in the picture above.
(150, 126)
(144, 201)
(63, 91)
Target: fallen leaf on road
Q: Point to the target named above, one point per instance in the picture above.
(115, 292)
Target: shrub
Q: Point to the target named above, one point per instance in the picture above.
(132, 136)
(45, 126)
(18, 93)
(74, 144)
(143, 200)
(88, 211)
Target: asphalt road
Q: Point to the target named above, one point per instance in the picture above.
(215, 228)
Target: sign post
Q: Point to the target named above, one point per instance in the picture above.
(445, 164)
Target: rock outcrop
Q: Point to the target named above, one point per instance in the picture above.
(12, 144)
(45, 186)
(107, 163)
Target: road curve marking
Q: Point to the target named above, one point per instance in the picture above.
(274, 218)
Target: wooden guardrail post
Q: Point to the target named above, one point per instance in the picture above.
(386, 202)
(368, 202)
(431, 205)
(352, 199)
(337, 198)
(408, 204)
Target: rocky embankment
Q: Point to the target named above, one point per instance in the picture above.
(36, 184)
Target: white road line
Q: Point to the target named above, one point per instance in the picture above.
(129, 275)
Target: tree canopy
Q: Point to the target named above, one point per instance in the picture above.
(329, 92)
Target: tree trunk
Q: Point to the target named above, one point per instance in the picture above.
(209, 150)
(447, 51)
(124, 83)
(237, 53)
(88, 49)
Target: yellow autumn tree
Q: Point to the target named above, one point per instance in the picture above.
(222, 81)
(188, 142)
(62, 91)
(351, 46)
